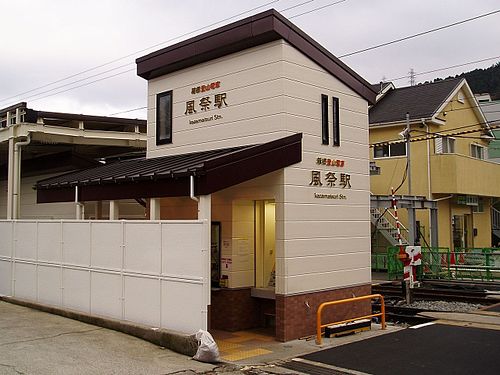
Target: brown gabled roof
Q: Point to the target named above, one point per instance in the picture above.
(262, 28)
(421, 101)
(169, 175)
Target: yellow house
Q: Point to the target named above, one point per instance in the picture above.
(448, 167)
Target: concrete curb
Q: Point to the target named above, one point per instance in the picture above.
(176, 341)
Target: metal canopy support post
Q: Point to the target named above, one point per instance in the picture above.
(154, 209)
(411, 226)
(434, 227)
(10, 178)
(113, 210)
(78, 205)
(16, 198)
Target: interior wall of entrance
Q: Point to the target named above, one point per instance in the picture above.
(245, 219)
(265, 244)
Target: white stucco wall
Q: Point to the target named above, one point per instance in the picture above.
(273, 91)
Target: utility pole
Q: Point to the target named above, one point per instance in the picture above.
(411, 210)
(409, 283)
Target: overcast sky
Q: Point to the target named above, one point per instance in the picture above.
(44, 41)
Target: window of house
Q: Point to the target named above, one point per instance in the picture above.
(336, 122)
(479, 208)
(394, 149)
(324, 120)
(461, 98)
(445, 145)
(477, 151)
(164, 118)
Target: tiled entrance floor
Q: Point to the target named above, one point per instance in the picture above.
(237, 346)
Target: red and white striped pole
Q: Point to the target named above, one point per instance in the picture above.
(403, 256)
(398, 225)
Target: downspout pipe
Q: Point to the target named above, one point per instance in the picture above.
(17, 176)
(191, 189)
(10, 179)
(78, 205)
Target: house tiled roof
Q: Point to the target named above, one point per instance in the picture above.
(420, 101)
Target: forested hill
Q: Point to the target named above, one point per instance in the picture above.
(484, 80)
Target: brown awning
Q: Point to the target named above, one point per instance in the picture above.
(169, 176)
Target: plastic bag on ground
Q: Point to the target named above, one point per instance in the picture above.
(207, 348)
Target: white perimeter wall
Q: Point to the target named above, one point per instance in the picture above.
(153, 273)
(273, 91)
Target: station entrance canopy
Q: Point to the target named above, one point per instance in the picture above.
(169, 176)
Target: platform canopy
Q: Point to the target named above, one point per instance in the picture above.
(169, 176)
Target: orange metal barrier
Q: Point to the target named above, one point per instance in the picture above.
(319, 326)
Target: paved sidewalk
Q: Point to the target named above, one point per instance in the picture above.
(34, 342)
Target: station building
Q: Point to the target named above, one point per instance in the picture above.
(257, 128)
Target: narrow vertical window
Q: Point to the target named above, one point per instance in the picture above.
(336, 123)
(324, 119)
(164, 118)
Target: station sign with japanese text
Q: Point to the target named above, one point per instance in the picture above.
(208, 102)
(330, 179)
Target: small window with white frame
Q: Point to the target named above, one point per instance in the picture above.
(479, 208)
(477, 151)
(444, 145)
(390, 150)
(461, 98)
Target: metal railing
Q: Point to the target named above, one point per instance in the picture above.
(319, 326)
(441, 263)
(386, 221)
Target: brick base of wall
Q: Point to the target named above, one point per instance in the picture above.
(236, 310)
(296, 315)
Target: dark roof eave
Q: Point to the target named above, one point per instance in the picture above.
(250, 32)
(230, 168)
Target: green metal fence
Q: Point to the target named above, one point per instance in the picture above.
(379, 262)
(440, 263)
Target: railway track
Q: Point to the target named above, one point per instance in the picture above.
(438, 291)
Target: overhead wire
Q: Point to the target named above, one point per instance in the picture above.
(408, 37)
(445, 133)
(138, 51)
(156, 45)
(445, 68)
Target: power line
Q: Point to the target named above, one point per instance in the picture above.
(83, 85)
(114, 75)
(297, 5)
(129, 110)
(136, 52)
(445, 68)
(156, 45)
(81, 80)
(318, 8)
(445, 133)
(419, 34)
